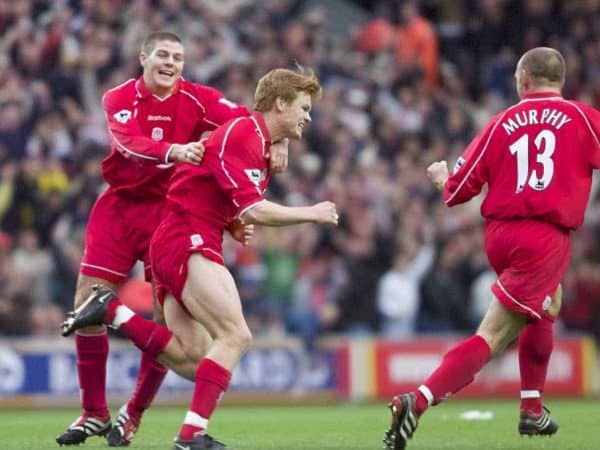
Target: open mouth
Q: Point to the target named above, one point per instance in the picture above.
(167, 73)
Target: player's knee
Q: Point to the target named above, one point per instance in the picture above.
(241, 338)
(497, 337)
(500, 326)
(234, 333)
(245, 338)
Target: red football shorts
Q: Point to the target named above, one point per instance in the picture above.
(530, 258)
(172, 244)
(118, 234)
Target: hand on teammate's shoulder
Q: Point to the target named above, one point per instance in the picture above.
(191, 153)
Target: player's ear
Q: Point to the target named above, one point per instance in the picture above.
(525, 79)
(279, 104)
(143, 57)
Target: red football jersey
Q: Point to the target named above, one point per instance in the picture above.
(232, 178)
(143, 127)
(537, 158)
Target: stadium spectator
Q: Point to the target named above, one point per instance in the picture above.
(281, 256)
(367, 253)
(416, 44)
(582, 305)
(412, 39)
(33, 264)
(443, 307)
(537, 158)
(16, 314)
(14, 130)
(15, 305)
(398, 298)
(313, 309)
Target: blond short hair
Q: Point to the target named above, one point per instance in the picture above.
(544, 65)
(286, 84)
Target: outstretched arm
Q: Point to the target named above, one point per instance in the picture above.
(275, 215)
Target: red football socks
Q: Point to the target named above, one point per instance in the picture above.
(147, 335)
(149, 380)
(458, 368)
(111, 312)
(212, 380)
(535, 349)
(92, 354)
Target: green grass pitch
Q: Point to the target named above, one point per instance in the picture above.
(347, 427)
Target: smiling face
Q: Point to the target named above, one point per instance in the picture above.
(295, 115)
(162, 66)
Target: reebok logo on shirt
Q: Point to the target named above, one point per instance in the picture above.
(152, 118)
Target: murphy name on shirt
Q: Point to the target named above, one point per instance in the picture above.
(548, 116)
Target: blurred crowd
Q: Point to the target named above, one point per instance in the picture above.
(408, 85)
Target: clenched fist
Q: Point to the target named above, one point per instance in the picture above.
(325, 213)
(438, 173)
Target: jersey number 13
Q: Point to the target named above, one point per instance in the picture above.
(546, 140)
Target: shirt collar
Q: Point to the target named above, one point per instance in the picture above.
(143, 91)
(542, 94)
(262, 125)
